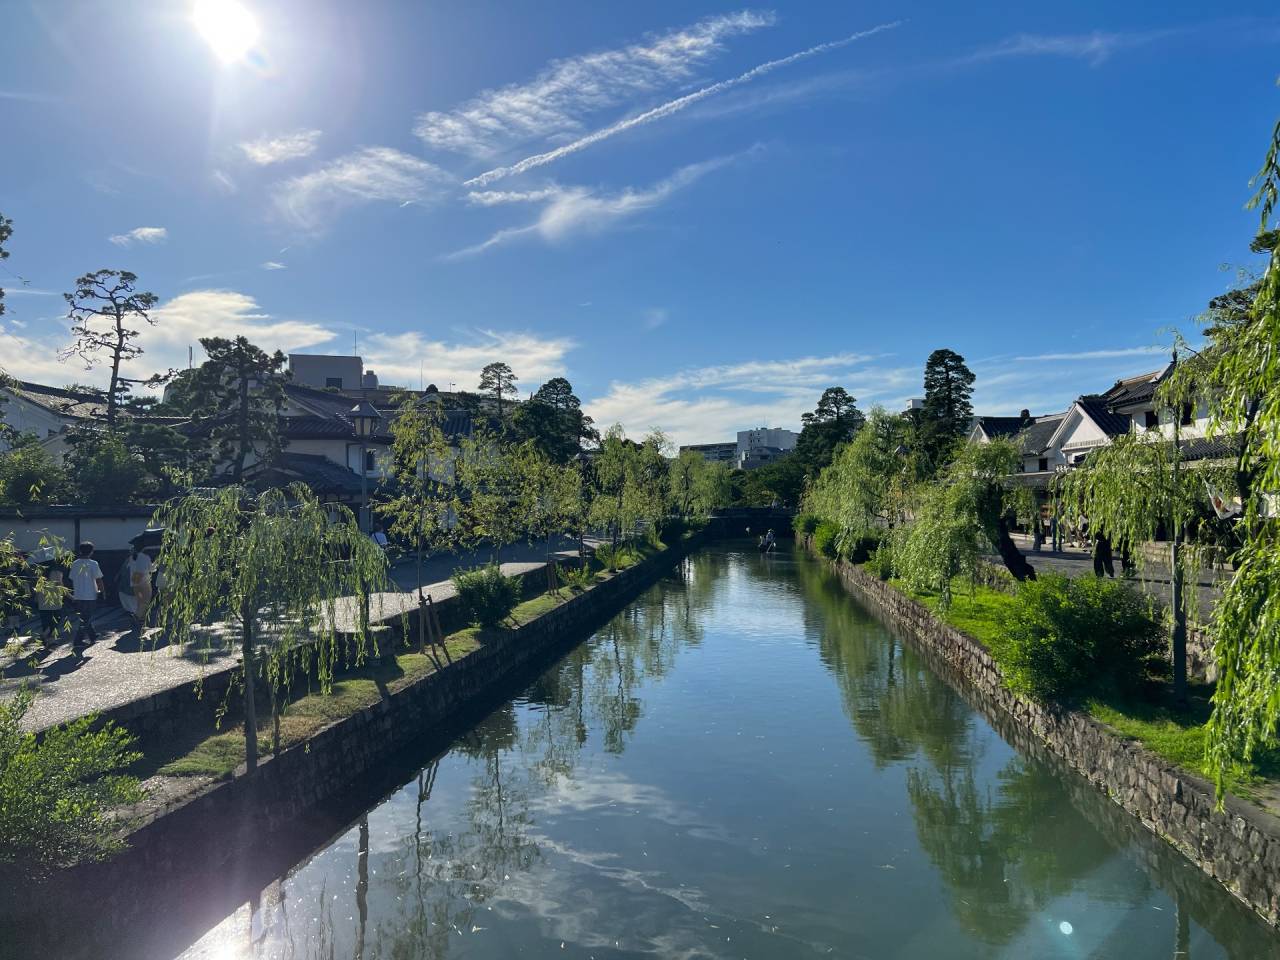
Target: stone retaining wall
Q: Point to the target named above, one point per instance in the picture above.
(1239, 846)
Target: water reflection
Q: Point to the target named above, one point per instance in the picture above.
(684, 785)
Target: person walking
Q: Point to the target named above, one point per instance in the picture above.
(140, 567)
(1102, 558)
(50, 603)
(86, 584)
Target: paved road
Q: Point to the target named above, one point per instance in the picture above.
(1153, 577)
(115, 670)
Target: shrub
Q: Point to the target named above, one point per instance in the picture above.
(881, 562)
(487, 595)
(578, 578)
(1065, 634)
(859, 548)
(606, 556)
(55, 792)
(806, 522)
(824, 538)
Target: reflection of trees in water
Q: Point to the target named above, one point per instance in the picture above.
(443, 879)
(1004, 850)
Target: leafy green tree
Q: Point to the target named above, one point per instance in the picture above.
(948, 410)
(629, 482)
(961, 516)
(550, 494)
(105, 310)
(237, 393)
(498, 379)
(1241, 379)
(781, 480)
(832, 422)
(864, 489)
(290, 573)
(489, 492)
(57, 791)
(1136, 488)
(554, 421)
(29, 474)
(102, 469)
(421, 503)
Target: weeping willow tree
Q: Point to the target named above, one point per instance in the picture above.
(1136, 489)
(1242, 381)
(288, 573)
(864, 490)
(962, 516)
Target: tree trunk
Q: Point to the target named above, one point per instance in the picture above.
(1176, 589)
(1010, 555)
(250, 708)
(115, 370)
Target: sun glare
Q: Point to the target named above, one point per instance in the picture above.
(227, 26)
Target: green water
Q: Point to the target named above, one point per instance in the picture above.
(743, 763)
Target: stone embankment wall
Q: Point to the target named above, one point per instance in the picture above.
(1239, 846)
(215, 828)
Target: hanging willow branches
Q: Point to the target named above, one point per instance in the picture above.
(289, 574)
(1245, 375)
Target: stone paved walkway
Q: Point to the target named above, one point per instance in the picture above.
(116, 670)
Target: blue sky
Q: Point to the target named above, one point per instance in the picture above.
(701, 214)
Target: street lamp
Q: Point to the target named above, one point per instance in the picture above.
(365, 419)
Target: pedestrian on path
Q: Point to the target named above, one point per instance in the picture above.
(1102, 559)
(86, 584)
(50, 601)
(140, 567)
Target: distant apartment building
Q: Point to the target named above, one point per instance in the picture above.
(713, 452)
(752, 449)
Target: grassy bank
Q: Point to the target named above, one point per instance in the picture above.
(217, 753)
(1174, 733)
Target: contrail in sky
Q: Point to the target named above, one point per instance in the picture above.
(666, 109)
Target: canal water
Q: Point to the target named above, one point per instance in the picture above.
(743, 763)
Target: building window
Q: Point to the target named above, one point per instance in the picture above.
(370, 461)
(1187, 411)
(1150, 419)
(335, 382)
(1044, 464)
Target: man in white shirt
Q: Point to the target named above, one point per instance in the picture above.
(140, 566)
(86, 584)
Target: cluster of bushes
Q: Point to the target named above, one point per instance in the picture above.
(831, 542)
(578, 578)
(617, 559)
(488, 595)
(806, 523)
(1066, 635)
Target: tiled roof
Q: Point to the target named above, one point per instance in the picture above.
(1134, 390)
(1001, 426)
(321, 474)
(1112, 424)
(66, 403)
(1035, 438)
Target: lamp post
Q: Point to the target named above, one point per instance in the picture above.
(364, 419)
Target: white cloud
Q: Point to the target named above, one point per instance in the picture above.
(180, 323)
(149, 235)
(706, 404)
(557, 99)
(1095, 47)
(223, 182)
(273, 265)
(289, 146)
(399, 358)
(667, 109)
(492, 198)
(573, 210)
(1100, 354)
(369, 174)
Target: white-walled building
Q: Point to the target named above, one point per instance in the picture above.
(753, 443)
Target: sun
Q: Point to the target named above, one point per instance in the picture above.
(227, 26)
